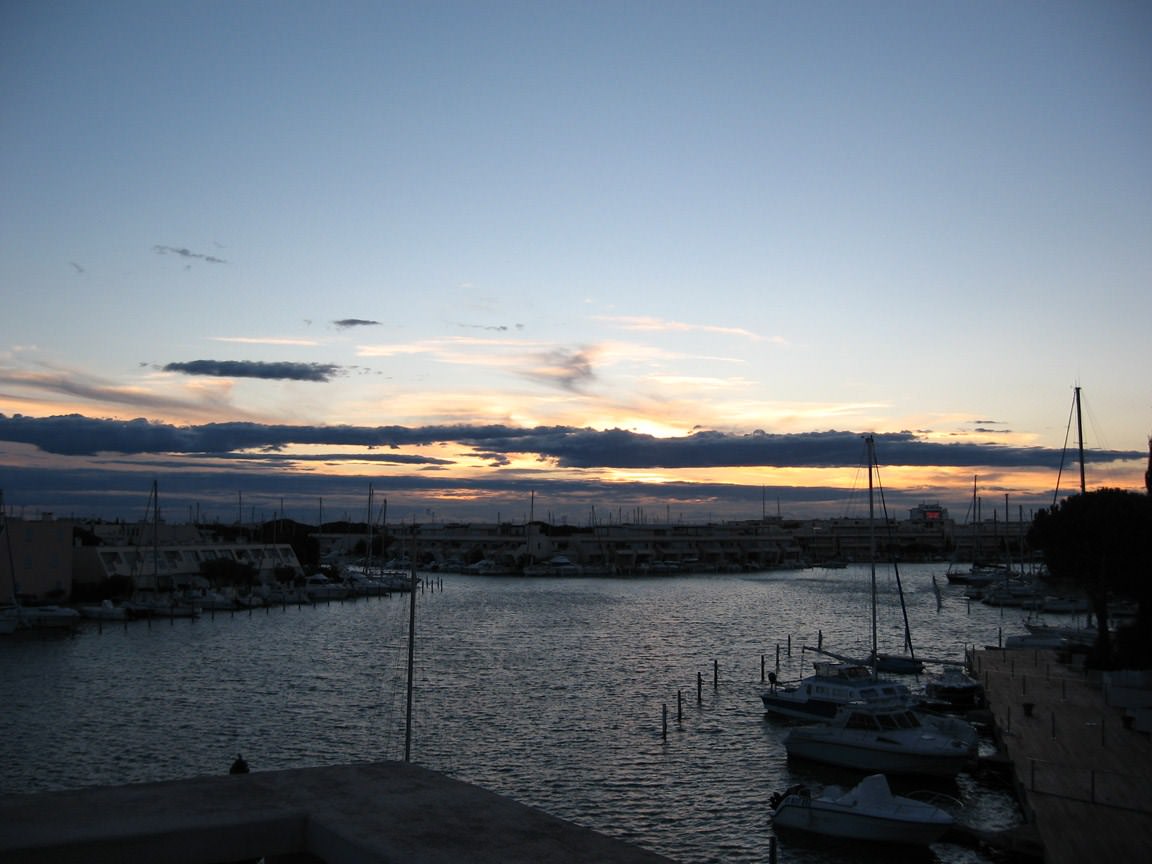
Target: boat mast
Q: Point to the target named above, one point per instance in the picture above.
(155, 536)
(1080, 439)
(872, 542)
(368, 551)
(411, 650)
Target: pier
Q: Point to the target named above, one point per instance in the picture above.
(378, 813)
(1080, 768)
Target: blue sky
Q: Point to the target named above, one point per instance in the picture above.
(672, 256)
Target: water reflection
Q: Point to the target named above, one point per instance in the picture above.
(551, 691)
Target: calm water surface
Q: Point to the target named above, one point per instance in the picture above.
(548, 690)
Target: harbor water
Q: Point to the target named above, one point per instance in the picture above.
(552, 691)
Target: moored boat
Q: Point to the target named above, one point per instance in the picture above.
(831, 686)
(320, 588)
(955, 689)
(891, 740)
(867, 812)
(42, 617)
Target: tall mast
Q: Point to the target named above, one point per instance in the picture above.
(411, 650)
(1080, 439)
(872, 542)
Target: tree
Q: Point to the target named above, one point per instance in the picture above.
(1101, 541)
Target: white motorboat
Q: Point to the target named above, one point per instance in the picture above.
(831, 686)
(893, 740)
(868, 812)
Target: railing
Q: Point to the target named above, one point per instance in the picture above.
(1092, 785)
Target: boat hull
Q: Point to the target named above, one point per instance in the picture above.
(832, 820)
(874, 752)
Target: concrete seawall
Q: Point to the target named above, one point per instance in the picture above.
(378, 813)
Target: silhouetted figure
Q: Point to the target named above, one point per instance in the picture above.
(239, 766)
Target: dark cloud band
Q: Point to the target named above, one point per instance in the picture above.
(565, 446)
(257, 369)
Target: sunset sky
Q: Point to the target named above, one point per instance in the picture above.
(666, 260)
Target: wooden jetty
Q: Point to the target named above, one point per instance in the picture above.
(1083, 776)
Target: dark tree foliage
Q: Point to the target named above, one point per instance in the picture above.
(1102, 541)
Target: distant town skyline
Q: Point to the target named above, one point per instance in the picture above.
(612, 259)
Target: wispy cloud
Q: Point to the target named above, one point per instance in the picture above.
(187, 253)
(89, 388)
(497, 328)
(648, 324)
(263, 340)
(345, 323)
(257, 369)
(568, 369)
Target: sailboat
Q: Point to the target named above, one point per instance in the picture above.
(149, 601)
(885, 737)
(906, 663)
(835, 684)
(979, 573)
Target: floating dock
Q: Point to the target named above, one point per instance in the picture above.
(378, 813)
(1081, 772)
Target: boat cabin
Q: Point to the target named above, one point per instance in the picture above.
(882, 721)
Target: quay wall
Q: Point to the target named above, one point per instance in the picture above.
(1080, 766)
(375, 813)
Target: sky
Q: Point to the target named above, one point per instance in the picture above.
(583, 262)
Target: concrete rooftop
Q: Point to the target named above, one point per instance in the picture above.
(357, 814)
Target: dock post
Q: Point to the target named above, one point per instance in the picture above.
(715, 674)
(679, 706)
(771, 850)
(777, 658)
(1053, 725)
(761, 668)
(789, 644)
(664, 725)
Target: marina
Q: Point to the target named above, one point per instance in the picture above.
(548, 691)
